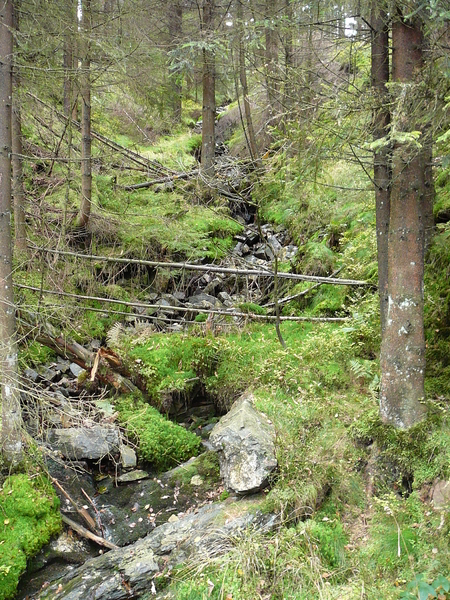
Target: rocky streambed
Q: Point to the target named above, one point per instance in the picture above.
(146, 523)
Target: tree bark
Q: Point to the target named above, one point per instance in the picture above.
(403, 342)
(381, 162)
(86, 138)
(209, 92)
(175, 18)
(20, 236)
(271, 58)
(243, 79)
(11, 441)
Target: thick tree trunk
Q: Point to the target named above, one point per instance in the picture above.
(381, 165)
(86, 139)
(288, 56)
(243, 79)
(209, 93)
(11, 443)
(175, 18)
(403, 343)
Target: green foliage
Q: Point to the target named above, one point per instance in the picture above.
(29, 511)
(160, 442)
(419, 589)
(252, 308)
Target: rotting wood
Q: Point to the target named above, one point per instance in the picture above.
(189, 308)
(88, 534)
(112, 372)
(205, 268)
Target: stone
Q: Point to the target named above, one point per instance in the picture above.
(440, 494)
(132, 476)
(213, 286)
(225, 298)
(196, 480)
(204, 301)
(131, 571)
(76, 370)
(85, 443)
(127, 457)
(48, 374)
(274, 244)
(31, 374)
(245, 442)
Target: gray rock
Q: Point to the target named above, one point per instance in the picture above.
(213, 286)
(48, 374)
(204, 301)
(133, 476)
(76, 370)
(274, 244)
(130, 571)
(85, 443)
(244, 440)
(440, 494)
(31, 374)
(127, 457)
(225, 298)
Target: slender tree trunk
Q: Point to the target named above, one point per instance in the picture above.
(20, 236)
(288, 56)
(209, 93)
(86, 139)
(381, 163)
(175, 18)
(11, 443)
(271, 58)
(243, 79)
(403, 342)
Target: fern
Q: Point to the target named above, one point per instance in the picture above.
(113, 334)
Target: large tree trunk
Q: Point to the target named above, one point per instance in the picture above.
(209, 93)
(11, 443)
(381, 165)
(175, 18)
(243, 79)
(86, 139)
(403, 342)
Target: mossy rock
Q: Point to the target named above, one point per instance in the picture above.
(30, 517)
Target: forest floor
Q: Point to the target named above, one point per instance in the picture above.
(355, 496)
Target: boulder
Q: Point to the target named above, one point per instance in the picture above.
(85, 443)
(440, 494)
(132, 571)
(244, 440)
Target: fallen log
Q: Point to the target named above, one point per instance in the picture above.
(147, 184)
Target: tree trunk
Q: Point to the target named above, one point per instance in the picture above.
(11, 442)
(403, 343)
(20, 236)
(288, 56)
(271, 58)
(175, 18)
(209, 93)
(381, 162)
(243, 79)
(86, 139)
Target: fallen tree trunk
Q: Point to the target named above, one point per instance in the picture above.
(147, 184)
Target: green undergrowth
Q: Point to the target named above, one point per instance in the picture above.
(29, 517)
(160, 442)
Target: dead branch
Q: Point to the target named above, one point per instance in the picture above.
(81, 511)
(206, 268)
(147, 184)
(87, 534)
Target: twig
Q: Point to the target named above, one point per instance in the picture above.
(300, 294)
(89, 499)
(87, 534)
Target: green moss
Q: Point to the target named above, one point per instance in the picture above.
(251, 307)
(160, 442)
(29, 517)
